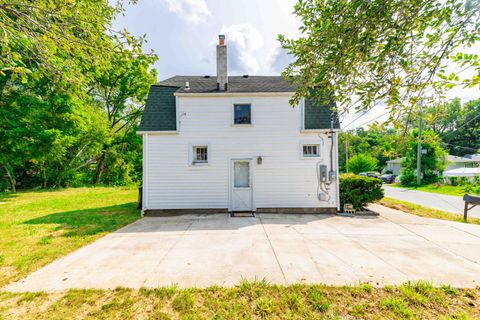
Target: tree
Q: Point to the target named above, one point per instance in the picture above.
(367, 52)
(55, 37)
(381, 143)
(45, 131)
(362, 163)
(457, 125)
(432, 161)
(120, 88)
(442, 118)
(71, 90)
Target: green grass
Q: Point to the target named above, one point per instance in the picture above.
(254, 300)
(424, 211)
(443, 189)
(37, 227)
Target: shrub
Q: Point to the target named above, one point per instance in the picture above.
(408, 178)
(359, 190)
(362, 163)
(453, 181)
(476, 181)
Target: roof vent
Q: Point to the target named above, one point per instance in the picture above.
(187, 85)
(207, 77)
(245, 75)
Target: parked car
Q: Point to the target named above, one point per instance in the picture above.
(388, 178)
(369, 174)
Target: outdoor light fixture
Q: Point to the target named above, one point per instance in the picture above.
(259, 160)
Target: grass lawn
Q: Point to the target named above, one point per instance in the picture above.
(39, 226)
(424, 211)
(257, 300)
(443, 189)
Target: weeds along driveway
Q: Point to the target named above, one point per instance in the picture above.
(202, 250)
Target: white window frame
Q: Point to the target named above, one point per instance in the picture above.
(191, 154)
(240, 101)
(319, 150)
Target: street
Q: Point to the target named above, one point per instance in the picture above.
(437, 201)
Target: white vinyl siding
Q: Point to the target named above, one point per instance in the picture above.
(282, 180)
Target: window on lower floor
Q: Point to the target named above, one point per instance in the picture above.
(311, 150)
(200, 154)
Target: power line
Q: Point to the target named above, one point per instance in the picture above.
(478, 115)
(376, 104)
(374, 118)
(357, 118)
(457, 146)
(428, 90)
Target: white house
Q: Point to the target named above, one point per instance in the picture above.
(234, 143)
(452, 163)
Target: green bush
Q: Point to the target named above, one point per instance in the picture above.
(408, 178)
(362, 163)
(453, 181)
(359, 190)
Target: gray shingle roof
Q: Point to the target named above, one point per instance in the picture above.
(318, 115)
(160, 108)
(202, 84)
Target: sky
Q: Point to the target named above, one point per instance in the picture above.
(184, 33)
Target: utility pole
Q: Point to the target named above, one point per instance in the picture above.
(419, 145)
(346, 151)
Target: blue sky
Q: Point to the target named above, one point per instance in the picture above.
(183, 33)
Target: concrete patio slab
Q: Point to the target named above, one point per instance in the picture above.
(202, 250)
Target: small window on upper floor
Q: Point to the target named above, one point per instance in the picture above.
(242, 114)
(311, 150)
(200, 154)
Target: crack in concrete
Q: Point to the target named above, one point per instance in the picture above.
(273, 250)
(306, 243)
(171, 248)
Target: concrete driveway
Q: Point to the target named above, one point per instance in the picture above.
(201, 250)
(437, 201)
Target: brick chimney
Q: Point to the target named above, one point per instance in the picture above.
(222, 75)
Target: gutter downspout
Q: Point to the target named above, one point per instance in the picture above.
(145, 175)
(334, 146)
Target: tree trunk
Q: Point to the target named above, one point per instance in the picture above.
(100, 168)
(44, 176)
(10, 178)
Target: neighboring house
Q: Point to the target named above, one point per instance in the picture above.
(453, 162)
(467, 166)
(234, 143)
(394, 166)
(475, 157)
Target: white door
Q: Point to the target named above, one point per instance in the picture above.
(241, 194)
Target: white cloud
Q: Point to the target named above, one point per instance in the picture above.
(193, 11)
(243, 42)
(278, 60)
